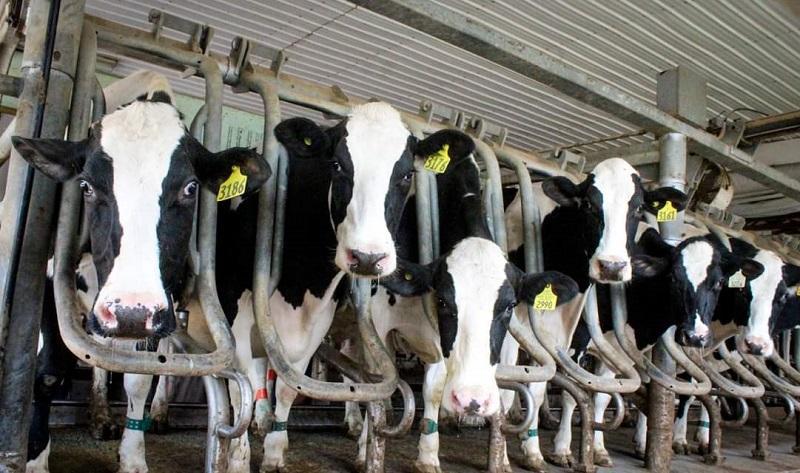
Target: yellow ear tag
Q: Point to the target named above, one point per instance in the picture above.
(737, 280)
(667, 213)
(234, 186)
(797, 291)
(307, 141)
(437, 162)
(545, 300)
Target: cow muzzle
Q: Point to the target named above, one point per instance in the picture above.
(759, 346)
(692, 338)
(368, 264)
(128, 318)
(474, 401)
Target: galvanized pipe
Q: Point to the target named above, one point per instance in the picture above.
(530, 408)
(495, 211)
(713, 456)
(10, 85)
(762, 430)
(745, 411)
(585, 458)
(757, 364)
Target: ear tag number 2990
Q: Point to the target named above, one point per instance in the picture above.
(234, 186)
(546, 300)
(437, 162)
(667, 213)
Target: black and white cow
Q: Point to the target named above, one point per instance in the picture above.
(683, 293)
(347, 186)
(140, 171)
(588, 233)
(476, 289)
(757, 307)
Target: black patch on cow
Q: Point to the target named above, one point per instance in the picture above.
(446, 307)
(399, 187)
(161, 96)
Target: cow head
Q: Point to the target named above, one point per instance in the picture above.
(477, 290)
(764, 297)
(698, 268)
(610, 201)
(371, 157)
(140, 172)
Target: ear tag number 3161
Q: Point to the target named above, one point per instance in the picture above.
(667, 213)
(437, 162)
(545, 300)
(234, 186)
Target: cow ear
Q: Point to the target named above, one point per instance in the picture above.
(459, 145)
(655, 200)
(563, 191)
(410, 279)
(654, 245)
(791, 274)
(57, 159)
(648, 266)
(302, 138)
(730, 263)
(212, 169)
(531, 284)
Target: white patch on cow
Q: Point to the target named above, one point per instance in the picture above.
(763, 289)
(140, 140)
(376, 138)
(40, 464)
(613, 178)
(469, 373)
(696, 258)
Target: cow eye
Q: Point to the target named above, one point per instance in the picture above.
(408, 176)
(190, 189)
(88, 190)
(337, 167)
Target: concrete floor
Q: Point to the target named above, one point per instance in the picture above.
(73, 451)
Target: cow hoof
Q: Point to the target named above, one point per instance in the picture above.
(132, 469)
(680, 448)
(699, 449)
(106, 431)
(271, 468)
(712, 459)
(423, 468)
(507, 468)
(639, 453)
(602, 458)
(238, 466)
(564, 460)
(536, 464)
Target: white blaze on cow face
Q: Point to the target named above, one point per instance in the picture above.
(140, 140)
(613, 178)
(477, 268)
(764, 290)
(376, 140)
(696, 259)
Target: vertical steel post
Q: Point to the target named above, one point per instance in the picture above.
(661, 402)
(23, 288)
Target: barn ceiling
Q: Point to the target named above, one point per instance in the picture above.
(747, 50)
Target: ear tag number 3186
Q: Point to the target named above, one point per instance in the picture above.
(667, 213)
(234, 186)
(545, 300)
(437, 162)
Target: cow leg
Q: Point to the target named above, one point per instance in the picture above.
(563, 441)
(601, 400)
(276, 442)
(640, 436)
(352, 411)
(239, 450)
(261, 420)
(428, 446)
(679, 444)
(532, 453)
(159, 407)
(701, 435)
(101, 424)
(131, 449)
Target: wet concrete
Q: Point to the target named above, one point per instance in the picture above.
(74, 451)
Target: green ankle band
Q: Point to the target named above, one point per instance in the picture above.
(279, 426)
(429, 426)
(139, 424)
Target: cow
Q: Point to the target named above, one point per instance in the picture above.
(757, 307)
(683, 293)
(140, 171)
(588, 233)
(347, 186)
(475, 289)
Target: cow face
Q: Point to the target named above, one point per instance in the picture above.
(371, 157)
(477, 290)
(140, 173)
(699, 267)
(611, 200)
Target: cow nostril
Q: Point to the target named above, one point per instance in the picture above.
(473, 406)
(366, 263)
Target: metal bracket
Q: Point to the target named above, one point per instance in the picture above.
(487, 131)
(241, 51)
(732, 131)
(566, 158)
(200, 35)
(430, 110)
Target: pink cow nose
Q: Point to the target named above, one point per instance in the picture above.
(130, 315)
(758, 345)
(366, 264)
(471, 401)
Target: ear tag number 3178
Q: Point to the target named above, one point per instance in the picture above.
(545, 300)
(234, 186)
(667, 213)
(437, 162)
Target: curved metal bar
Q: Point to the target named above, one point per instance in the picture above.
(305, 385)
(745, 410)
(699, 385)
(532, 226)
(242, 421)
(751, 387)
(98, 98)
(497, 223)
(761, 369)
(525, 396)
(402, 427)
(791, 408)
(529, 343)
(619, 415)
